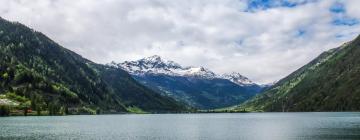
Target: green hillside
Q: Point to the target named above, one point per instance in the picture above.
(331, 82)
(38, 74)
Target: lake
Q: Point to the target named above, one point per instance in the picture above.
(247, 126)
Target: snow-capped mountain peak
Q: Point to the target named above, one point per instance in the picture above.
(157, 65)
(154, 58)
(200, 71)
(153, 64)
(156, 62)
(238, 78)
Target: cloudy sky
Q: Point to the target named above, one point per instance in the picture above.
(264, 40)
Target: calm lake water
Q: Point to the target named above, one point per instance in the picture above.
(247, 126)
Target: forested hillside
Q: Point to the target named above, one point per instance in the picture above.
(38, 74)
(329, 83)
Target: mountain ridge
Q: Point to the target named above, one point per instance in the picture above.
(157, 65)
(196, 86)
(49, 77)
(328, 83)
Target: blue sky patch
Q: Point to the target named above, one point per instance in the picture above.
(254, 5)
(338, 8)
(347, 21)
(340, 17)
(300, 32)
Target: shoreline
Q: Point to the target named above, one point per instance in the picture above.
(177, 113)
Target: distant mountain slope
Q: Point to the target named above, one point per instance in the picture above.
(329, 83)
(196, 86)
(36, 68)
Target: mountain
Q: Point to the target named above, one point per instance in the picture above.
(156, 65)
(40, 74)
(328, 83)
(196, 86)
(238, 79)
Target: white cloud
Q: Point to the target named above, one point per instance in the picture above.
(265, 45)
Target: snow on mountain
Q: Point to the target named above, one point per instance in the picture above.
(156, 65)
(199, 72)
(238, 79)
(268, 84)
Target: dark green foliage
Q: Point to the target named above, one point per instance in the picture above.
(135, 94)
(329, 83)
(4, 110)
(54, 79)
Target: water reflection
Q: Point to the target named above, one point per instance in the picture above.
(252, 126)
